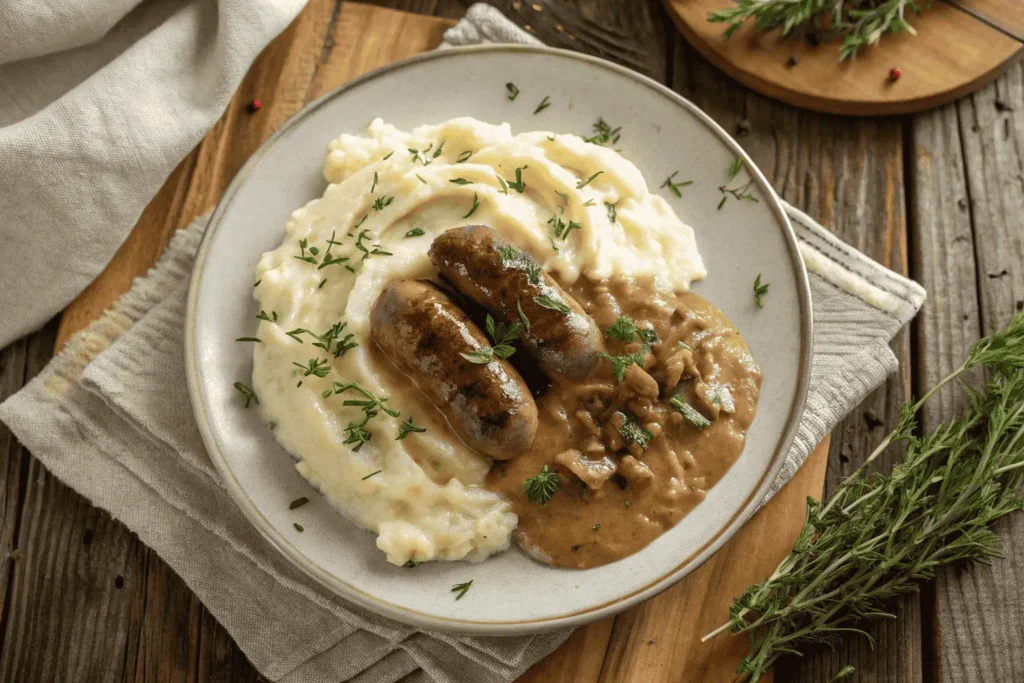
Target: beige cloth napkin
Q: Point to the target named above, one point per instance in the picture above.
(110, 417)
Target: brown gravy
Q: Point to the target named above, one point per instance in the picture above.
(651, 489)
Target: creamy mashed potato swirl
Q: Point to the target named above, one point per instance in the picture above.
(390, 194)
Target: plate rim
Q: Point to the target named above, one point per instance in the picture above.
(519, 627)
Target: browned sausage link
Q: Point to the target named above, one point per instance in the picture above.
(423, 332)
(501, 277)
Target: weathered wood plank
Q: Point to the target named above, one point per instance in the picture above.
(848, 175)
(969, 242)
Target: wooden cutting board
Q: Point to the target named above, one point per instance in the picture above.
(656, 641)
(960, 45)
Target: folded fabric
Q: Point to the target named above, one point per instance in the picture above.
(117, 426)
(99, 101)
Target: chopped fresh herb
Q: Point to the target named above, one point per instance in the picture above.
(501, 181)
(551, 138)
(541, 488)
(553, 304)
(356, 432)
(294, 334)
(374, 186)
(623, 329)
(409, 564)
(437, 152)
(759, 291)
(382, 201)
(603, 133)
(356, 435)
(250, 395)
(461, 589)
(627, 503)
(460, 181)
(583, 183)
(590, 202)
(513, 91)
(464, 157)
(406, 428)
(476, 205)
(331, 260)
(632, 432)
(374, 251)
(481, 356)
(596, 527)
(522, 317)
(683, 346)
(297, 503)
(612, 215)
(371, 474)
(561, 228)
(272, 318)
(416, 155)
(304, 246)
(544, 104)
(361, 221)
(692, 415)
(735, 167)
(415, 232)
(648, 337)
(298, 527)
(577, 546)
(350, 269)
(513, 257)
(249, 339)
(257, 283)
(623, 361)
(316, 366)
(518, 185)
(563, 195)
(502, 336)
(674, 186)
(389, 155)
(421, 178)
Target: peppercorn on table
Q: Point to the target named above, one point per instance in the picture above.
(936, 196)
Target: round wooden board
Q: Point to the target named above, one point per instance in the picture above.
(960, 45)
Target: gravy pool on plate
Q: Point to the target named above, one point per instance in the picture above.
(421, 418)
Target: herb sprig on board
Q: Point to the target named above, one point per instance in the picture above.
(880, 535)
(858, 23)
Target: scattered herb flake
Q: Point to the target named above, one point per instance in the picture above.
(476, 205)
(513, 91)
(316, 366)
(612, 215)
(249, 339)
(544, 104)
(759, 291)
(298, 527)
(374, 186)
(541, 488)
(415, 232)
(603, 133)
(551, 303)
(406, 428)
(674, 186)
(522, 317)
(518, 185)
(623, 329)
(460, 181)
(249, 394)
(464, 157)
(632, 432)
(371, 474)
(692, 415)
(583, 183)
(461, 589)
(297, 503)
(382, 201)
(437, 152)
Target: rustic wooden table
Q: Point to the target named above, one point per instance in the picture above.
(938, 196)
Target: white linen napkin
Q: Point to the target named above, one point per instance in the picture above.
(99, 101)
(110, 416)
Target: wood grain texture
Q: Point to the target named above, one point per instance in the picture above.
(968, 177)
(953, 54)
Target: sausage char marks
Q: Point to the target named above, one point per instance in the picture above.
(424, 334)
(509, 283)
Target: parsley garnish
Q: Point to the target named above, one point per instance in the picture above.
(476, 205)
(623, 329)
(522, 317)
(464, 157)
(612, 215)
(544, 104)
(759, 291)
(297, 503)
(250, 395)
(415, 232)
(603, 133)
(461, 589)
(561, 228)
(356, 432)
(313, 251)
(541, 488)
(632, 432)
(316, 366)
(674, 186)
(513, 91)
(502, 336)
(518, 185)
(382, 201)
(249, 339)
(551, 303)
(513, 257)
(622, 361)
(460, 181)
(692, 415)
(583, 183)
(406, 428)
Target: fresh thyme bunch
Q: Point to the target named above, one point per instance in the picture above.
(879, 536)
(857, 22)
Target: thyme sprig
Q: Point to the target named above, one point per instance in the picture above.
(880, 535)
(859, 23)
(673, 186)
(503, 335)
(541, 488)
(604, 134)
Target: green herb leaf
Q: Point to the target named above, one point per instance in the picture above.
(541, 488)
(476, 205)
(382, 201)
(406, 428)
(632, 433)
(513, 91)
(374, 185)
(464, 157)
(415, 232)
(623, 329)
(460, 181)
(437, 152)
(316, 366)
(297, 503)
(481, 356)
(249, 394)
(501, 181)
(249, 339)
(421, 179)
(461, 589)
(516, 258)
(603, 133)
(371, 474)
(270, 319)
(518, 185)
(759, 291)
(544, 104)
(692, 415)
(674, 186)
(298, 527)
(551, 303)
(612, 214)
(522, 317)
(583, 183)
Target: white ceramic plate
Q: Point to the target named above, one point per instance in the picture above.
(661, 133)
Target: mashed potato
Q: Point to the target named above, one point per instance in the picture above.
(390, 193)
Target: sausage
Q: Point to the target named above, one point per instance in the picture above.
(502, 278)
(423, 332)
